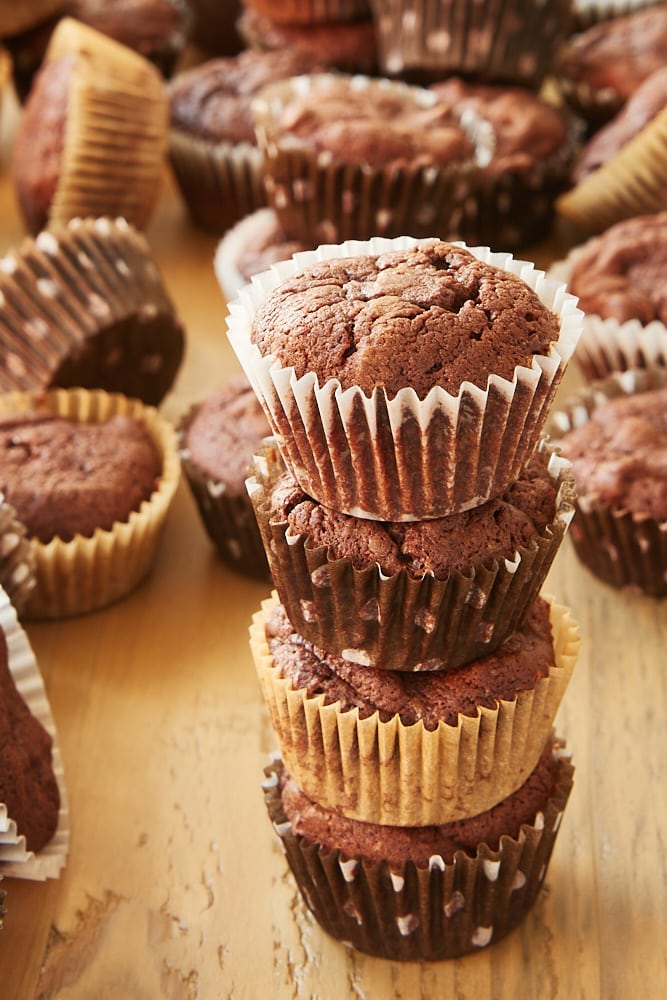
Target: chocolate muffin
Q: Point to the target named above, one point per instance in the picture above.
(56, 473)
(425, 595)
(28, 786)
(524, 148)
(218, 438)
(310, 11)
(423, 893)
(597, 70)
(85, 305)
(408, 749)
(94, 475)
(70, 159)
(212, 144)
(615, 434)
(408, 366)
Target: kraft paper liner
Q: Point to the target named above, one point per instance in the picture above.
(220, 182)
(398, 622)
(309, 12)
(85, 305)
(633, 182)
(405, 775)
(622, 548)
(17, 560)
(115, 132)
(228, 517)
(320, 198)
(415, 912)
(15, 860)
(608, 345)
(487, 39)
(402, 458)
(89, 573)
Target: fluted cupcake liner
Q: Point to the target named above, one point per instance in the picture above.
(403, 459)
(85, 574)
(84, 305)
(405, 775)
(228, 517)
(489, 40)
(307, 12)
(609, 345)
(17, 560)
(632, 182)
(15, 860)
(622, 548)
(397, 622)
(116, 132)
(319, 198)
(587, 12)
(220, 182)
(439, 911)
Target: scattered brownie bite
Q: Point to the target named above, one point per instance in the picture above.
(28, 786)
(92, 474)
(218, 438)
(422, 893)
(85, 305)
(615, 435)
(70, 159)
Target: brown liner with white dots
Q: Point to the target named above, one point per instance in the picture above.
(85, 574)
(84, 305)
(432, 912)
(406, 775)
(398, 622)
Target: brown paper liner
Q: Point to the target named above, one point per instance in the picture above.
(116, 129)
(405, 775)
(398, 622)
(228, 517)
(489, 40)
(310, 11)
(607, 345)
(403, 459)
(84, 305)
(622, 548)
(423, 913)
(320, 199)
(89, 573)
(220, 182)
(17, 559)
(633, 182)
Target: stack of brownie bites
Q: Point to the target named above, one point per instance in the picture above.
(410, 512)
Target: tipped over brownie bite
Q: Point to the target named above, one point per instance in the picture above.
(409, 381)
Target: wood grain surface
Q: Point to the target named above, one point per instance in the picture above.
(176, 886)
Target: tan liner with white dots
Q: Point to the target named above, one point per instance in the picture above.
(403, 459)
(406, 775)
(84, 304)
(432, 912)
(398, 622)
(116, 128)
(622, 548)
(88, 573)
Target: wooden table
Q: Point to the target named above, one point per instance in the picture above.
(176, 886)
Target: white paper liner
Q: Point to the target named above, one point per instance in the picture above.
(609, 345)
(15, 859)
(303, 413)
(233, 244)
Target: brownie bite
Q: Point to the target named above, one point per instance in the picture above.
(28, 786)
(218, 438)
